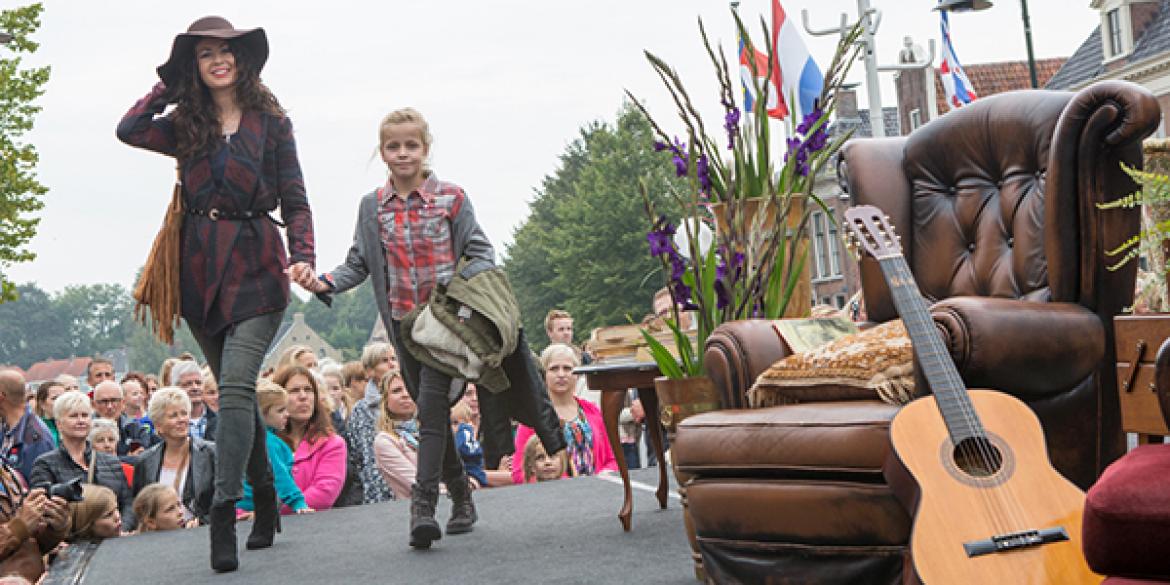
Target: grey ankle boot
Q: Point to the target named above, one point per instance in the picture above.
(462, 508)
(423, 528)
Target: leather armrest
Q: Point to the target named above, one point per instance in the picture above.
(736, 352)
(1024, 348)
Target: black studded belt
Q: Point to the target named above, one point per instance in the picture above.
(215, 214)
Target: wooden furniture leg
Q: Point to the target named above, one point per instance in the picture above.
(611, 407)
(649, 398)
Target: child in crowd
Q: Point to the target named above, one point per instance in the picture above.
(272, 400)
(467, 445)
(157, 508)
(539, 465)
(96, 516)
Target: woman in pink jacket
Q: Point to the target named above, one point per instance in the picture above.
(396, 445)
(318, 452)
(589, 451)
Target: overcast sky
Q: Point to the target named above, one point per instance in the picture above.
(505, 84)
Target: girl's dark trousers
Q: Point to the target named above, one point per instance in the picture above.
(437, 457)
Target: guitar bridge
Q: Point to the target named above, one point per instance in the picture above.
(1022, 539)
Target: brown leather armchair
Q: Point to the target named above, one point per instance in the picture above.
(996, 207)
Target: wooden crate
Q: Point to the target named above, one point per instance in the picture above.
(1139, 341)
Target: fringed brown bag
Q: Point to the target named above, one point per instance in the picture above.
(158, 288)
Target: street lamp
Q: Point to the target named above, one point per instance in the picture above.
(973, 5)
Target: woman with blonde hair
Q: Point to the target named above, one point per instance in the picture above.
(179, 460)
(396, 444)
(589, 451)
(298, 355)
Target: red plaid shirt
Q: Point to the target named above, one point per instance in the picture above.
(416, 237)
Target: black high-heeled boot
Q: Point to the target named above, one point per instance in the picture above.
(223, 537)
(266, 522)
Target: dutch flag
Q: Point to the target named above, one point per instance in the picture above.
(794, 73)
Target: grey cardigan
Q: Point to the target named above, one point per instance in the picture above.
(367, 258)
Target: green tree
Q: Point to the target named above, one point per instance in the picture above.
(31, 328)
(98, 316)
(346, 326)
(20, 192)
(583, 248)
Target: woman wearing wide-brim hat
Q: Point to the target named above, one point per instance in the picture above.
(237, 163)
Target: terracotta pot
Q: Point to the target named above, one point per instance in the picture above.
(801, 301)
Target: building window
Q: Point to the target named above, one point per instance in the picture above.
(826, 247)
(915, 118)
(1114, 32)
(839, 300)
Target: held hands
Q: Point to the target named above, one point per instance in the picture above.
(302, 274)
(39, 511)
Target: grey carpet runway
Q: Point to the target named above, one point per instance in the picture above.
(558, 532)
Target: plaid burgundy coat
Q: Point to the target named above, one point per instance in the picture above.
(233, 269)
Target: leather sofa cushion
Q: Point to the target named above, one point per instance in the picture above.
(1127, 516)
(813, 513)
(842, 440)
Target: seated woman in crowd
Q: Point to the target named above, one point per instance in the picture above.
(47, 394)
(539, 465)
(96, 516)
(297, 355)
(158, 508)
(335, 390)
(103, 436)
(184, 463)
(396, 444)
(272, 400)
(77, 458)
(589, 450)
(318, 452)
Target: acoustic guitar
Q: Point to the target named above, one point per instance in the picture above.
(991, 508)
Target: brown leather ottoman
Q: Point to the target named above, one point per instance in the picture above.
(793, 494)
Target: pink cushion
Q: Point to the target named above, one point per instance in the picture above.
(1127, 516)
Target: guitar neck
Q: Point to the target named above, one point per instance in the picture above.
(950, 392)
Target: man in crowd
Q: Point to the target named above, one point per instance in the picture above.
(99, 370)
(558, 324)
(362, 426)
(189, 376)
(25, 437)
(107, 403)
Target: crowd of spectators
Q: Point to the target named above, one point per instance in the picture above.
(140, 451)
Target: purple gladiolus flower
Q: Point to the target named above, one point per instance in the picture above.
(731, 124)
(660, 146)
(661, 237)
(680, 165)
(678, 266)
(704, 173)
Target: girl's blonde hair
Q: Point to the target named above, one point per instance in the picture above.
(96, 501)
(148, 503)
(407, 116)
(387, 420)
(534, 447)
(269, 394)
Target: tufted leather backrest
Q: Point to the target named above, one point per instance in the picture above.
(997, 199)
(977, 178)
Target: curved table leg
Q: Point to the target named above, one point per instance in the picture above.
(611, 406)
(649, 398)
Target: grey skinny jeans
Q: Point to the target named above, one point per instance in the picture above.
(235, 356)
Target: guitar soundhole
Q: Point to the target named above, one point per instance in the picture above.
(978, 457)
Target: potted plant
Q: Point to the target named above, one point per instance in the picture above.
(756, 265)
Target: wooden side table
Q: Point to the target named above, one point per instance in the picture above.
(1143, 374)
(613, 378)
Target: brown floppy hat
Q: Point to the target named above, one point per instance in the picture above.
(216, 27)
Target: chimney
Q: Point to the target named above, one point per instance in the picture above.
(847, 104)
(298, 318)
